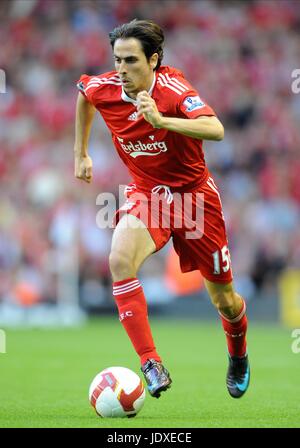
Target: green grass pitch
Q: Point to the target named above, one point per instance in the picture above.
(45, 376)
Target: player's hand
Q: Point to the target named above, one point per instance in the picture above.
(83, 168)
(146, 106)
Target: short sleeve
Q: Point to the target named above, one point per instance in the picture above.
(193, 106)
(88, 86)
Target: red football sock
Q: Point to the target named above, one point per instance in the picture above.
(235, 331)
(133, 315)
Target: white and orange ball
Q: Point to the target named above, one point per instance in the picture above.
(117, 392)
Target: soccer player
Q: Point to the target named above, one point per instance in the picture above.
(158, 123)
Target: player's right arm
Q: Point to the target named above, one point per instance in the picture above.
(85, 112)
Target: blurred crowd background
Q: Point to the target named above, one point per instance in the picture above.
(240, 55)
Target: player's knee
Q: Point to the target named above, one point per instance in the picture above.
(121, 266)
(224, 300)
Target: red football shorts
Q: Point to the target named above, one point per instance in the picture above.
(195, 222)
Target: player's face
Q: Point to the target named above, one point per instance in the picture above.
(135, 71)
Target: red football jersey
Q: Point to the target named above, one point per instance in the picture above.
(153, 156)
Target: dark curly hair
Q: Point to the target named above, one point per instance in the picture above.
(147, 32)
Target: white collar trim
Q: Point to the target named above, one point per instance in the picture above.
(127, 98)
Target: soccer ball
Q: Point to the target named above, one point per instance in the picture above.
(117, 392)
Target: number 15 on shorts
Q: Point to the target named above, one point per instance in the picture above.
(222, 261)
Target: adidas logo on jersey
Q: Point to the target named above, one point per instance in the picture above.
(143, 149)
(133, 117)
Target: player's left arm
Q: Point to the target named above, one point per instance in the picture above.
(203, 127)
